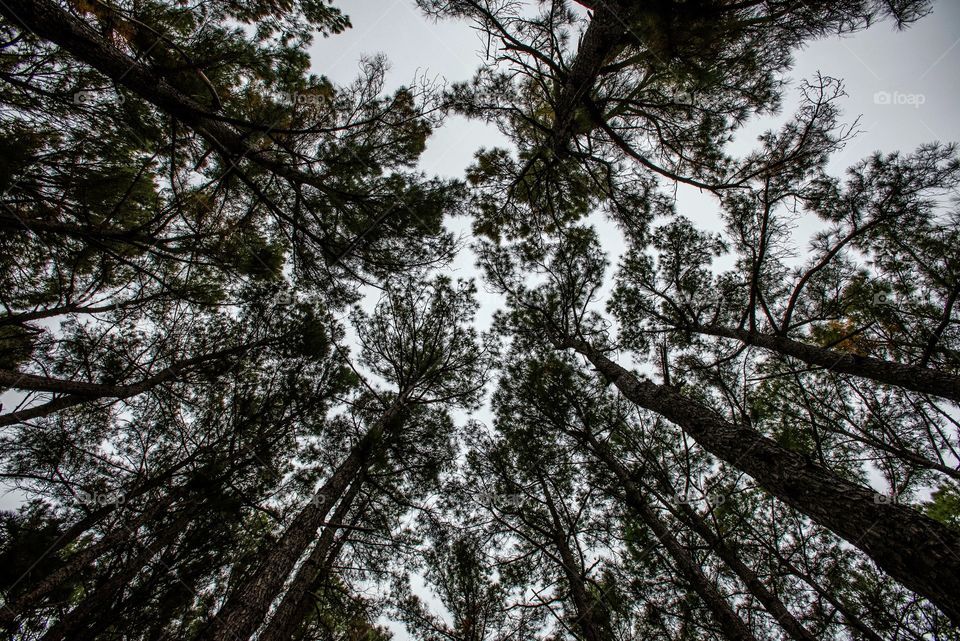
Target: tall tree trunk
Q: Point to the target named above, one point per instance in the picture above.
(48, 21)
(73, 624)
(76, 563)
(602, 39)
(245, 609)
(728, 620)
(770, 601)
(296, 602)
(573, 571)
(923, 554)
(911, 377)
(853, 621)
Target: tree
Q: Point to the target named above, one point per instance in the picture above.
(857, 513)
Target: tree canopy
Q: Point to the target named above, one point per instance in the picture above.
(247, 397)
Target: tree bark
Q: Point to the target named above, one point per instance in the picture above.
(923, 554)
(50, 22)
(728, 620)
(911, 377)
(73, 624)
(573, 571)
(296, 602)
(79, 392)
(602, 39)
(245, 609)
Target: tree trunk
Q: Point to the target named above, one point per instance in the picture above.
(573, 571)
(77, 563)
(73, 625)
(730, 622)
(245, 609)
(296, 602)
(601, 40)
(48, 21)
(923, 554)
(911, 377)
(854, 622)
(78, 392)
(770, 601)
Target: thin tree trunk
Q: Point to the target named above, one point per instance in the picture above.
(770, 601)
(573, 571)
(246, 608)
(727, 554)
(48, 21)
(84, 557)
(728, 620)
(923, 554)
(79, 392)
(76, 564)
(911, 377)
(296, 602)
(854, 622)
(72, 626)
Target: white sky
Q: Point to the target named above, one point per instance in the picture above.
(919, 65)
(923, 61)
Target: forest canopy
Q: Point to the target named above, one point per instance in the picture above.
(247, 398)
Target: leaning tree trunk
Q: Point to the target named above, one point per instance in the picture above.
(73, 624)
(296, 602)
(923, 554)
(246, 608)
(79, 392)
(573, 571)
(76, 563)
(770, 601)
(853, 621)
(730, 622)
(47, 20)
(911, 377)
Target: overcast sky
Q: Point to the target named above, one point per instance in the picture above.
(903, 85)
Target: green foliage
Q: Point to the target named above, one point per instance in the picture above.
(944, 505)
(188, 254)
